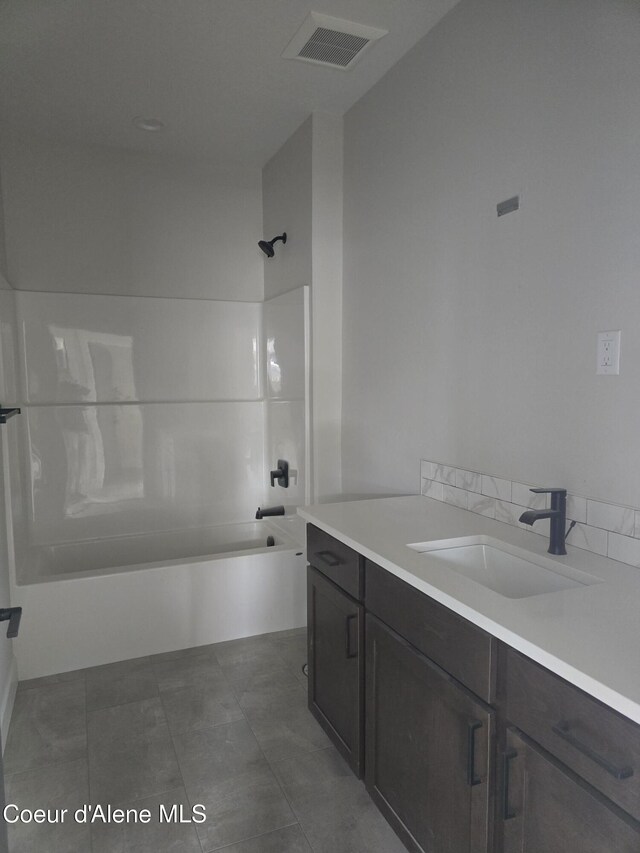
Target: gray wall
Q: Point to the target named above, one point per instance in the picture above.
(286, 206)
(471, 339)
(98, 220)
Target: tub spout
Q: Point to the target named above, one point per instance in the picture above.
(269, 510)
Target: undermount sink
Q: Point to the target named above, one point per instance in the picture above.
(505, 569)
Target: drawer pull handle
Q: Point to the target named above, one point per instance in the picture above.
(329, 558)
(507, 814)
(348, 622)
(563, 730)
(472, 779)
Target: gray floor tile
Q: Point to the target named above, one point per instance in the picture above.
(288, 840)
(131, 754)
(333, 808)
(59, 787)
(286, 727)
(249, 649)
(293, 650)
(152, 837)
(247, 674)
(46, 680)
(210, 756)
(192, 651)
(241, 807)
(264, 691)
(291, 632)
(200, 707)
(48, 726)
(120, 683)
(190, 671)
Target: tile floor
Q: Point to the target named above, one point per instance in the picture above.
(225, 726)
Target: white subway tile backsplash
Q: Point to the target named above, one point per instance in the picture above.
(590, 538)
(619, 519)
(508, 512)
(624, 548)
(482, 504)
(468, 480)
(577, 508)
(494, 487)
(603, 528)
(431, 489)
(427, 469)
(445, 474)
(522, 494)
(457, 497)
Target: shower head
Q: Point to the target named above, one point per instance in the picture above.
(267, 245)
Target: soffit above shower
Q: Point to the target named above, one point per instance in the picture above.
(334, 42)
(211, 71)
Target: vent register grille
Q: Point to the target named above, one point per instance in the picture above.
(325, 40)
(333, 47)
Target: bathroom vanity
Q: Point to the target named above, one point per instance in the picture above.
(479, 721)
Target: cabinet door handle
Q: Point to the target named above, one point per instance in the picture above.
(507, 814)
(348, 623)
(329, 558)
(472, 779)
(563, 730)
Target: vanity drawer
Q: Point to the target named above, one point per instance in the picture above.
(336, 561)
(597, 743)
(459, 647)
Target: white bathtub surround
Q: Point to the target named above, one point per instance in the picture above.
(604, 528)
(286, 325)
(113, 349)
(124, 612)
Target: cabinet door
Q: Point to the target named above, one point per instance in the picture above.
(427, 749)
(545, 809)
(336, 665)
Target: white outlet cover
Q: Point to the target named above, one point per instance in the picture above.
(608, 363)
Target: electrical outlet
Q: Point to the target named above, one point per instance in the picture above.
(608, 353)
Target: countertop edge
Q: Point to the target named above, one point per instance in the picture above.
(595, 688)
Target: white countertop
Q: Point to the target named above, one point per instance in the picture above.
(589, 635)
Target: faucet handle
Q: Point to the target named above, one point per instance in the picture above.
(552, 491)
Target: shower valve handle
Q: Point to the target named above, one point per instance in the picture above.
(281, 474)
(14, 615)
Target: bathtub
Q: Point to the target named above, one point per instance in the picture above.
(86, 604)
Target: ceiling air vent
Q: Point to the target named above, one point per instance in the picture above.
(324, 40)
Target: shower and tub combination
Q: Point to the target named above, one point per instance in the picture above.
(148, 432)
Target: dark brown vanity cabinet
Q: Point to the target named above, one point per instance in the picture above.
(428, 736)
(427, 748)
(570, 768)
(466, 745)
(547, 810)
(336, 644)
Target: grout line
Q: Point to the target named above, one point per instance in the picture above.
(253, 837)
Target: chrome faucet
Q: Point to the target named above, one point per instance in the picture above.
(558, 515)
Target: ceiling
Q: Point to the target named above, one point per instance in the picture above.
(211, 70)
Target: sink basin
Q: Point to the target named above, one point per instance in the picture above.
(505, 569)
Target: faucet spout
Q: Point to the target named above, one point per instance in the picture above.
(557, 514)
(533, 515)
(269, 510)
